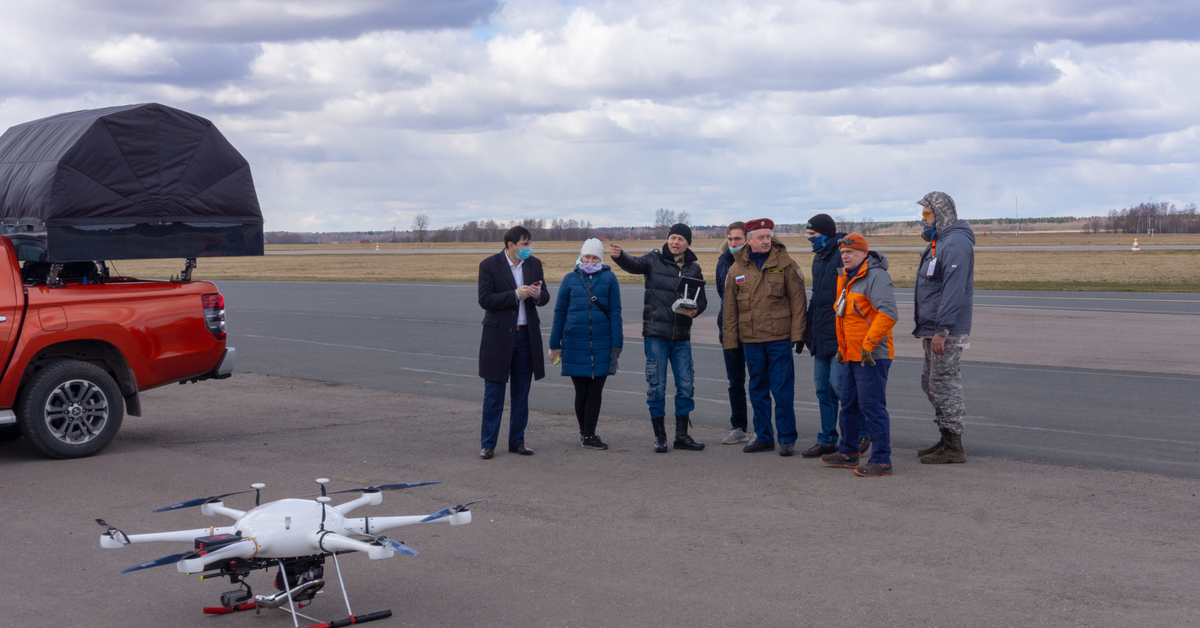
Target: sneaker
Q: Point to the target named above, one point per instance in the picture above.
(757, 446)
(864, 445)
(738, 435)
(787, 449)
(838, 459)
(592, 442)
(873, 470)
(818, 450)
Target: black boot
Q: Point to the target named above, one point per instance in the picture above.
(682, 440)
(950, 453)
(660, 434)
(936, 446)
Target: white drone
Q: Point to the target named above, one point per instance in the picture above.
(295, 535)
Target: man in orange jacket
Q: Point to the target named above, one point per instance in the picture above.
(865, 313)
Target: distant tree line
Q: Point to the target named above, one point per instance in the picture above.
(1148, 217)
(1159, 217)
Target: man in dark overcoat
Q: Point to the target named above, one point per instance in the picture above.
(511, 288)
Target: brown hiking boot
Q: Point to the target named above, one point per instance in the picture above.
(950, 453)
(936, 446)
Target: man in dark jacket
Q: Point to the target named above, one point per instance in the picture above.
(943, 299)
(667, 334)
(511, 288)
(735, 359)
(822, 333)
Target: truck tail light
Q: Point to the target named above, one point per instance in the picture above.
(214, 314)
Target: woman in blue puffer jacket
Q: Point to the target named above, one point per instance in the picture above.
(587, 335)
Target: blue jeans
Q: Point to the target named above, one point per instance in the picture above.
(827, 375)
(772, 374)
(660, 352)
(735, 371)
(520, 376)
(864, 400)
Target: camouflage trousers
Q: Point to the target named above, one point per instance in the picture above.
(941, 381)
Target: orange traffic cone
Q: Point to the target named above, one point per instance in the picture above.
(1135, 245)
(377, 246)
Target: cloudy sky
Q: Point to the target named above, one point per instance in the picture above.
(361, 114)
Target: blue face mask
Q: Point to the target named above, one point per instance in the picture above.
(525, 252)
(818, 242)
(591, 268)
(929, 234)
(735, 250)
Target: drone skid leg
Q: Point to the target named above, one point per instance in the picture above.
(354, 619)
(223, 610)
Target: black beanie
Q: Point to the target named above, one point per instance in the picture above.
(822, 224)
(681, 229)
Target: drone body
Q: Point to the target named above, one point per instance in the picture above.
(295, 535)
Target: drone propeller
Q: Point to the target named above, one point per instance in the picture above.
(256, 488)
(395, 546)
(374, 489)
(446, 512)
(114, 533)
(157, 562)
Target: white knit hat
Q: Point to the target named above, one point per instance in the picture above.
(592, 247)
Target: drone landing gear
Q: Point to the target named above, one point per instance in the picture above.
(354, 619)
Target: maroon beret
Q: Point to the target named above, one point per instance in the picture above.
(761, 223)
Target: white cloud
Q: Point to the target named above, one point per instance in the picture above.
(365, 113)
(134, 55)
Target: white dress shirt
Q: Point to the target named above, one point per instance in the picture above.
(518, 271)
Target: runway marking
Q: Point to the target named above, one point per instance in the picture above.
(708, 379)
(1078, 433)
(341, 346)
(377, 318)
(1079, 309)
(1048, 298)
(1093, 372)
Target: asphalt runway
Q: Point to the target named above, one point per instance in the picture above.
(423, 338)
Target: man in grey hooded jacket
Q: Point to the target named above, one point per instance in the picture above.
(943, 300)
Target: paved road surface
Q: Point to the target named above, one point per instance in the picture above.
(423, 339)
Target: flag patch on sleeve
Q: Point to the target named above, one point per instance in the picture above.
(739, 279)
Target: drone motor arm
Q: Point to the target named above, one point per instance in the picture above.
(333, 542)
(373, 525)
(379, 524)
(219, 508)
(177, 536)
(368, 498)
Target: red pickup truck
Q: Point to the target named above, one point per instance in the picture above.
(76, 351)
(77, 190)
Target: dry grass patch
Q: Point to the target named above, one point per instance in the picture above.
(1172, 271)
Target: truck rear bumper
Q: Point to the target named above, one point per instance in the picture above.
(225, 366)
(223, 370)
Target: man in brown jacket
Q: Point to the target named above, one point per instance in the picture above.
(765, 309)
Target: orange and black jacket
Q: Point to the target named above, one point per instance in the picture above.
(870, 310)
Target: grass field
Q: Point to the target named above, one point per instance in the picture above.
(1141, 271)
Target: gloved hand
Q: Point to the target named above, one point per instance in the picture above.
(867, 360)
(839, 358)
(612, 360)
(799, 347)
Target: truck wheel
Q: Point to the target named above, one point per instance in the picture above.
(70, 409)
